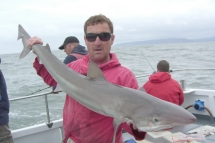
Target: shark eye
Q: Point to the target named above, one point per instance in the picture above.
(155, 119)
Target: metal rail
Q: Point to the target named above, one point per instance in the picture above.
(178, 70)
(30, 96)
(49, 123)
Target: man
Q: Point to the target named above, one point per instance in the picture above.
(5, 133)
(162, 86)
(73, 49)
(81, 124)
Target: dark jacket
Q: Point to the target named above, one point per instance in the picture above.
(78, 50)
(4, 102)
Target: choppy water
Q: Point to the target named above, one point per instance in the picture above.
(22, 80)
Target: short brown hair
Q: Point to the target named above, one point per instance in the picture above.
(163, 66)
(96, 19)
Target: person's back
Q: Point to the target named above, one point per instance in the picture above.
(5, 133)
(73, 49)
(162, 86)
(78, 53)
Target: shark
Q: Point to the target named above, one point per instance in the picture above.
(123, 104)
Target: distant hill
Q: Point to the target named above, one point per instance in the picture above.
(165, 41)
(210, 39)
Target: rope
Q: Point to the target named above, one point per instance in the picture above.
(38, 91)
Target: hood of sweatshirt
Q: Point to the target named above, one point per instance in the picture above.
(80, 50)
(159, 77)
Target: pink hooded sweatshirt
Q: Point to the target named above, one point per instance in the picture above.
(80, 123)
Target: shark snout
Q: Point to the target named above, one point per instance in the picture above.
(185, 118)
(192, 118)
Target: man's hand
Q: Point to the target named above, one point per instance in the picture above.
(34, 40)
(133, 126)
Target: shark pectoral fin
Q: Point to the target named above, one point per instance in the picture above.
(116, 124)
(58, 88)
(94, 72)
(142, 89)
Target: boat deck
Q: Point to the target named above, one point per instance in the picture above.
(205, 120)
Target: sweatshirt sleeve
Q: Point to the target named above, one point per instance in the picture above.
(43, 73)
(131, 82)
(137, 135)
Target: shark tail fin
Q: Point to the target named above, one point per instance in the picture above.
(24, 52)
(22, 34)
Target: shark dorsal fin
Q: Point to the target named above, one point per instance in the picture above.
(94, 72)
(48, 47)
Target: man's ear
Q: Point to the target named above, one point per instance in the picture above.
(112, 38)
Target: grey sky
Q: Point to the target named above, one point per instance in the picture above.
(137, 20)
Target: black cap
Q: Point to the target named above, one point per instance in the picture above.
(70, 39)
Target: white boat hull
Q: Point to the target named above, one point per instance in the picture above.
(39, 133)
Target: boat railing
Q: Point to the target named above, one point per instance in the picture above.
(187, 69)
(49, 123)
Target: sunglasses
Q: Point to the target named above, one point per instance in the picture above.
(91, 37)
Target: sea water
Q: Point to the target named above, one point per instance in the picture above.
(195, 60)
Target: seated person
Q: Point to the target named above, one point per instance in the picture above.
(161, 85)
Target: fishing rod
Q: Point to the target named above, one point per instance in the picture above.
(142, 75)
(192, 69)
(147, 61)
(179, 70)
(38, 91)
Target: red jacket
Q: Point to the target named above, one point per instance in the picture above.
(83, 125)
(162, 86)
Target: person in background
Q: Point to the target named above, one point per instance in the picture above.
(5, 133)
(73, 49)
(81, 124)
(161, 85)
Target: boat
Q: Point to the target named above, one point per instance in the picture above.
(200, 102)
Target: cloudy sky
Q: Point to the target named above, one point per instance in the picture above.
(136, 20)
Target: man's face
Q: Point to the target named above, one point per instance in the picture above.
(99, 50)
(68, 48)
